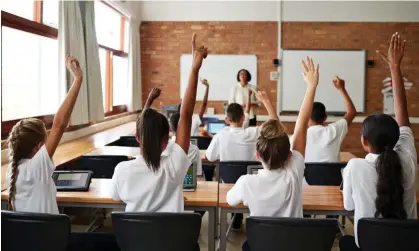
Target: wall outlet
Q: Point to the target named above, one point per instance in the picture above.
(274, 75)
(210, 111)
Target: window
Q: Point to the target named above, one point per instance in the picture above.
(29, 61)
(112, 35)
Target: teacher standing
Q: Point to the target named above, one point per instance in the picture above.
(239, 93)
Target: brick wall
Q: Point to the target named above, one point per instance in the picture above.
(162, 43)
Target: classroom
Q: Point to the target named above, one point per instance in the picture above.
(209, 125)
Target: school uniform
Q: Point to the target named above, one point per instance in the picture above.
(360, 180)
(145, 190)
(324, 142)
(194, 155)
(196, 122)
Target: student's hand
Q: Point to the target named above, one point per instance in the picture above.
(204, 82)
(395, 51)
(199, 54)
(339, 83)
(262, 96)
(311, 73)
(249, 92)
(155, 93)
(73, 66)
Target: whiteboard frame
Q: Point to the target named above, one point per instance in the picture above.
(335, 113)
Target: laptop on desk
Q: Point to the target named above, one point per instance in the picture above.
(190, 179)
(215, 127)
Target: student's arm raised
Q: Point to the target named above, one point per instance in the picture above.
(62, 117)
(263, 97)
(394, 60)
(249, 100)
(183, 134)
(349, 105)
(155, 93)
(205, 101)
(311, 77)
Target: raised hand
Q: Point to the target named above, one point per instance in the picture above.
(262, 96)
(73, 66)
(339, 83)
(204, 82)
(155, 93)
(311, 73)
(199, 54)
(249, 92)
(395, 51)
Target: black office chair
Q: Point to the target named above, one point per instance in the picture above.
(156, 231)
(102, 166)
(388, 234)
(292, 234)
(34, 231)
(128, 141)
(203, 142)
(230, 171)
(324, 174)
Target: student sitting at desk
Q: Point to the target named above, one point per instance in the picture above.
(276, 191)
(154, 181)
(383, 184)
(324, 141)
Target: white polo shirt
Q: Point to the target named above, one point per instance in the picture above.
(35, 188)
(234, 144)
(196, 122)
(360, 180)
(272, 193)
(146, 191)
(239, 95)
(323, 142)
(194, 156)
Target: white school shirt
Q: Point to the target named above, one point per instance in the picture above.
(323, 142)
(196, 122)
(360, 180)
(272, 193)
(234, 144)
(35, 188)
(194, 156)
(146, 191)
(239, 95)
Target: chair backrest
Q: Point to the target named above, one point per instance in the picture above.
(128, 141)
(156, 231)
(34, 231)
(230, 171)
(203, 142)
(292, 234)
(324, 174)
(254, 169)
(102, 166)
(388, 234)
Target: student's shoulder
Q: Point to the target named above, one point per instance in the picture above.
(356, 165)
(127, 166)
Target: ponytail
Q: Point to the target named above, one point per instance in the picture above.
(389, 201)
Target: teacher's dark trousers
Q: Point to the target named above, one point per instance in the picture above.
(252, 122)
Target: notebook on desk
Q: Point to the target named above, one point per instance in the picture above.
(190, 179)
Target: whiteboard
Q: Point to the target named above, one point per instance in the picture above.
(349, 65)
(221, 73)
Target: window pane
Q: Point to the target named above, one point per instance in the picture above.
(30, 75)
(102, 61)
(50, 13)
(120, 80)
(108, 26)
(22, 8)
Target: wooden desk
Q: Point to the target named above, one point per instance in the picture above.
(205, 198)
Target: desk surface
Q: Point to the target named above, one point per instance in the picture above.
(99, 193)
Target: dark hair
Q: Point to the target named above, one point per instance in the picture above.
(152, 129)
(318, 113)
(273, 144)
(249, 76)
(382, 133)
(23, 138)
(174, 121)
(234, 112)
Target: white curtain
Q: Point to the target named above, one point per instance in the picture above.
(77, 37)
(134, 67)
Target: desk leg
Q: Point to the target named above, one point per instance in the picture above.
(211, 229)
(223, 229)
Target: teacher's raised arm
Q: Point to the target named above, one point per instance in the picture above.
(239, 94)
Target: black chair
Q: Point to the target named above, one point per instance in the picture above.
(34, 231)
(291, 234)
(102, 166)
(128, 141)
(324, 174)
(230, 171)
(203, 142)
(156, 231)
(388, 234)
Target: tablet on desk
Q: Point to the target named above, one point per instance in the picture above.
(190, 179)
(72, 180)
